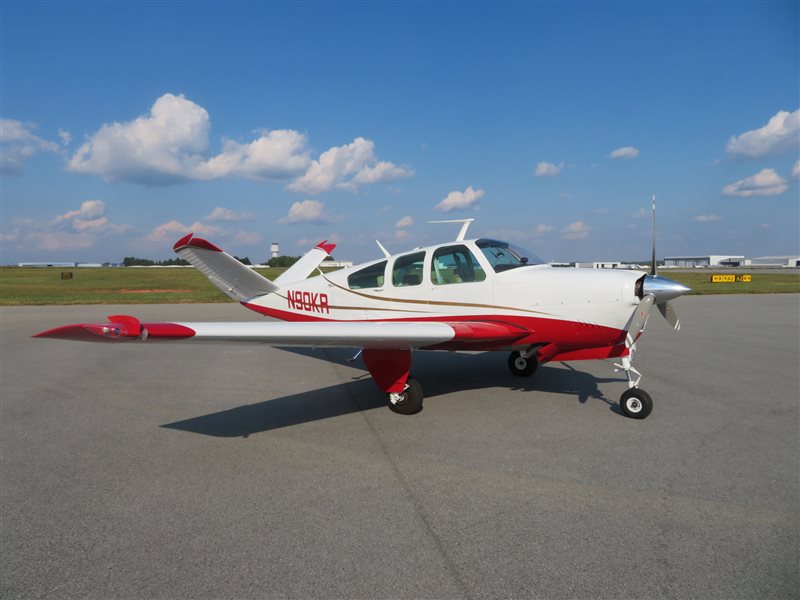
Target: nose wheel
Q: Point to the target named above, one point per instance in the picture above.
(635, 403)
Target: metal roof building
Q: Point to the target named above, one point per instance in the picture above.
(709, 260)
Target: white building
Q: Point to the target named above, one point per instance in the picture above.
(773, 261)
(607, 264)
(709, 260)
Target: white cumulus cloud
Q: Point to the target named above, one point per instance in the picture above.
(89, 218)
(625, 152)
(275, 155)
(778, 135)
(172, 230)
(796, 169)
(226, 214)
(164, 146)
(75, 229)
(404, 222)
(18, 143)
(208, 226)
(764, 183)
(347, 167)
(308, 211)
(456, 200)
(171, 142)
(576, 231)
(706, 218)
(547, 169)
(543, 228)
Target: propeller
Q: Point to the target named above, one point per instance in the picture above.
(638, 320)
(653, 289)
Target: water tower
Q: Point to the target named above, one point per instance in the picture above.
(275, 249)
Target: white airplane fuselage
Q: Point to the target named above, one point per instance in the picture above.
(571, 308)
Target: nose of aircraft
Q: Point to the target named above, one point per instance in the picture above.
(662, 288)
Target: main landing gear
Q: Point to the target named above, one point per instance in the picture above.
(407, 402)
(634, 402)
(389, 369)
(522, 364)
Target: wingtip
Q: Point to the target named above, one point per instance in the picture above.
(78, 333)
(184, 241)
(188, 241)
(324, 245)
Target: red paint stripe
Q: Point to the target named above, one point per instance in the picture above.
(171, 331)
(565, 336)
(283, 315)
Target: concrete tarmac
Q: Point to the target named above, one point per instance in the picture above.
(244, 471)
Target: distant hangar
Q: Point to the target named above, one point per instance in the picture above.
(709, 260)
(729, 260)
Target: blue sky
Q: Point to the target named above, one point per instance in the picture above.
(126, 125)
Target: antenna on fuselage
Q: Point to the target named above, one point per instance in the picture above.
(464, 227)
(384, 250)
(653, 263)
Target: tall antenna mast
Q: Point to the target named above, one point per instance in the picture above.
(464, 226)
(653, 263)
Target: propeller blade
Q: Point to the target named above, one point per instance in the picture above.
(653, 261)
(666, 310)
(638, 320)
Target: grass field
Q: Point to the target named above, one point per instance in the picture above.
(30, 286)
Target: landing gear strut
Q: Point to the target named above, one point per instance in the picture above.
(634, 402)
(522, 364)
(407, 402)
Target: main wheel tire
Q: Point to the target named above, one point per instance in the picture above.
(635, 403)
(521, 366)
(411, 403)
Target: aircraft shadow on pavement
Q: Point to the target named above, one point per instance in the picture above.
(440, 373)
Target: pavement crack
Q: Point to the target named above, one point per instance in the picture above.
(449, 564)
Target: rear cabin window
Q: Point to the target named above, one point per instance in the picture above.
(455, 264)
(368, 277)
(408, 270)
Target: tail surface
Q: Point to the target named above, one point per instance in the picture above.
(306, 265)
(228, 274)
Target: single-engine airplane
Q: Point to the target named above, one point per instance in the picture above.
(468, 294)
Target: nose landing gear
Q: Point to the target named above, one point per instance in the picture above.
(634, 402)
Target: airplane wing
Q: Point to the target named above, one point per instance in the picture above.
(393, 334)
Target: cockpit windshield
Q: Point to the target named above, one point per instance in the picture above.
(504, 256)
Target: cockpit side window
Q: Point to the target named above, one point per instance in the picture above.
(455, 264)
(503, 256)
(368, 277)
(408, 269)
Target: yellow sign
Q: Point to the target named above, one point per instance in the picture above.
(731, 278)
